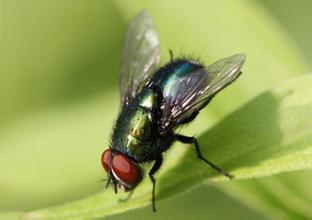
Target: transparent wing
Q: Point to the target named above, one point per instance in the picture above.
(190, 93)
(140, 55)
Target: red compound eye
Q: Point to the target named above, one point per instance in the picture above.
(126, 170)
(106, 158)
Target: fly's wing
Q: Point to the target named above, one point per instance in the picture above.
(190, 93)
(140, 56)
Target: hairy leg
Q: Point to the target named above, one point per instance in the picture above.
(192, 140)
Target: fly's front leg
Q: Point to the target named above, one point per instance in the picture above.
(151, 173)
(192, 140)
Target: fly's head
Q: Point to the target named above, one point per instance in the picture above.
(122, 171)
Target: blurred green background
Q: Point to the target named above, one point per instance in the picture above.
(59, 65)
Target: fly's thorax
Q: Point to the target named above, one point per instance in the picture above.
(148, 100)
(141, 125)
(136, 132)
(142, 118)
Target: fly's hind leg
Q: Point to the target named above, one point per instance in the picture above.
(192, 140)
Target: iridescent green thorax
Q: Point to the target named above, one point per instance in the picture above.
(139, 130)
(135, 128)
(148, 100)
(141, 122)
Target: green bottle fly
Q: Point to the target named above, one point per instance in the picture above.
(155, 102)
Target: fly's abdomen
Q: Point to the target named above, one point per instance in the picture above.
(168, 75)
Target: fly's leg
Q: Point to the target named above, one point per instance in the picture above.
(108, 181)
(151, 173)
(192, 140)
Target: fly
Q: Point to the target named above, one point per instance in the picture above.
(155, 102)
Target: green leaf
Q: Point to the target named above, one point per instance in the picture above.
(284, 196)
(269, 135)
(194, 204)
